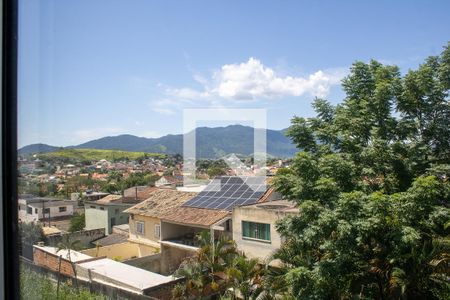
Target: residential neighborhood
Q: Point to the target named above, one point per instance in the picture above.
(149, 229)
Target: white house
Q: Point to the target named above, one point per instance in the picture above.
(38, 209)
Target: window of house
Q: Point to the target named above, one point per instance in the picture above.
(92, 206)
(35, 210)
(62, 209)
(140, 227)
(117, 211)
(257, 231)
(29, 210)
(46, 210)
(102, 208)
(158, 231)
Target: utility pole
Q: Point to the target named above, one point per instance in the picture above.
(49, 217)
(43, 211)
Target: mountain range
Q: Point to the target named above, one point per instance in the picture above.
(210, 143)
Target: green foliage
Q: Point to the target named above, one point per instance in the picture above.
(95, 155)
(77, 222)
(31, 233)
(34, 286)
(218, 269)
(373, 190)
(215, 171)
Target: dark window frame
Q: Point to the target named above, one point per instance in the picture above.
(9, 256)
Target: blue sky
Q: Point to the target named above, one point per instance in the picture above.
(89, 69)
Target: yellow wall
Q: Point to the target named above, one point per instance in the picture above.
(121, 251)
(149, 230)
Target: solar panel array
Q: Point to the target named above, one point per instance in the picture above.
(226, 192)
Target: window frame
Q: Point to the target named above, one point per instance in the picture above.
(9, 232)
(64, 209)
(142, 224)
(254, 238)
(157, 231)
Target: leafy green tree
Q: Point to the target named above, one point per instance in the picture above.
(31, 233)
(215, 171)
(77, 222)
(372, 189)
(218, 269)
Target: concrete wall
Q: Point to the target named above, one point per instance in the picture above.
(172, 257)
(173, 231)
(255, 248)
(122, 251)
(100, 216)
(150, 263)
(149, 230)
(96, 218)
(86, 237)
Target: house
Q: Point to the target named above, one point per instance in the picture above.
(33, 209)
(254, 227)
(145, 217)
(209, 210)
(170, 181)
(107, 212)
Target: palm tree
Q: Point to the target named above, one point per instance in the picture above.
(205, 272)
(192, 272)
(68, 244)
(244, 277)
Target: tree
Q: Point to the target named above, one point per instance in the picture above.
(68, 244)
(215, 171)
(216, 268)
(77, 222)
(372, 189)
(30, 234)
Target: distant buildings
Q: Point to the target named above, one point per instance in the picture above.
(170, 181)
(107, 212)
(33, 209)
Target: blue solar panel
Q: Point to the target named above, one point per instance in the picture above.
(226, 192)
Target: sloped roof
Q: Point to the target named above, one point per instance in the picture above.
(195, 216)
(109, 199)
(113, 238)
(160, 203)
(143, 192)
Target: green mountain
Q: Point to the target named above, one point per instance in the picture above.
(210, 143)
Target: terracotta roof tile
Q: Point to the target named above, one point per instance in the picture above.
(160, 202)
(196, 216)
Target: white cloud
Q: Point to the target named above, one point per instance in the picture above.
(252, 80)
(247, 81)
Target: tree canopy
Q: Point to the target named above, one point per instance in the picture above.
(372, 185)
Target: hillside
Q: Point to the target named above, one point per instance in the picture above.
(37, 148)
(95, 154)
(210, 142)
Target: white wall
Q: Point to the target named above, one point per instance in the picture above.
(261, 250)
